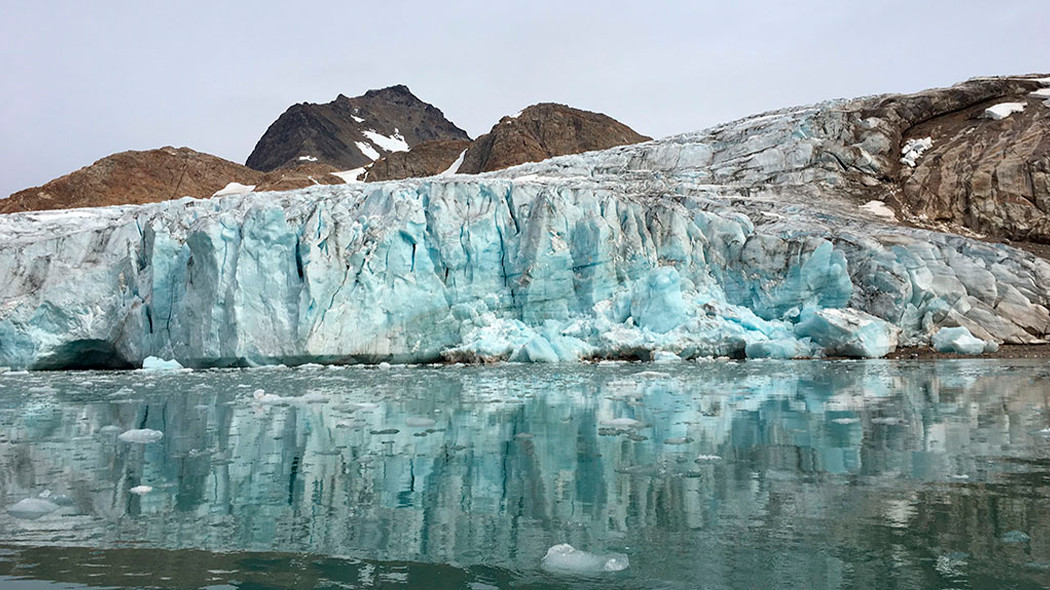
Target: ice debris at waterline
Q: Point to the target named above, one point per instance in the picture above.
(152, 363)
(742, 240)
(566, 559)
(960, 340)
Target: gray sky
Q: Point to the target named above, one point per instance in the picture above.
(81, 80)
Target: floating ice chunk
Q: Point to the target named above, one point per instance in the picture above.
(142, 436)
(1003, 110)
(140, 490)
(234, 188)
(663, 356)
(565, 559)
(684, 440)
(845, 420)
(622, 423)
(32, 508)
(416, 422)
(708, 458)
(153, 363)
(913, 149)
(652, 374)
(848, 332)
(958, 340)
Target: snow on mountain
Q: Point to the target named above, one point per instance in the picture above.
(748, 239)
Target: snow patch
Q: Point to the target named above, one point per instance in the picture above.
(913, 149)
(307, 158)
(454, 168)
(879, 209)
(1042, 93)
(234, 188)
(1003, 110)
(392, 143)
(367, 150)
(351, 176)
(356, 118)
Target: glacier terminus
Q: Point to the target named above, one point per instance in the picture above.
(754, 239)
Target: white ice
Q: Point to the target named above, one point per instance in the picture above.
(368, 151)
(565, 559)
(143, 436)
(234, 188)
(392, 143)
(1003, 110)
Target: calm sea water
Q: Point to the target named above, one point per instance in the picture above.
(714, 475)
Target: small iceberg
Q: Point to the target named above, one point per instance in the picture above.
(143, 436)
(153, 363)
(958, 340)
(566, 559)
(140, 490)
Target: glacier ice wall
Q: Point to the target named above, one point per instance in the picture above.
(743, 240)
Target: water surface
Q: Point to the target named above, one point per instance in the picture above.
(713, 475)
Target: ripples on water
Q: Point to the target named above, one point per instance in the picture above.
(712, 475)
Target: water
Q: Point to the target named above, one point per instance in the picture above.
(714, 475)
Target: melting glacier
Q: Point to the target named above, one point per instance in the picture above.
(744, 240)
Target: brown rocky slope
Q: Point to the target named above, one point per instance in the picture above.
(544, 131)
(539, 132)
(134, 177)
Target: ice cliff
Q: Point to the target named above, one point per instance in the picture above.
(754, 238)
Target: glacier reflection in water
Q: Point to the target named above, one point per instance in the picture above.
(715, 475)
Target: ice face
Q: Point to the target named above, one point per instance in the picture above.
(733, 241)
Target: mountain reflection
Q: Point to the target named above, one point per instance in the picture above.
(757, 474)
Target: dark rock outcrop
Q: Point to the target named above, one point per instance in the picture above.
(134, 177)
(543, 131)
(426, 159)
(343, 133)
(987, 174)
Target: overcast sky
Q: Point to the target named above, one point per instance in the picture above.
(81, 80)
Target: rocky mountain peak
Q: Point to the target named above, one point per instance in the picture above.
(542, 131)
(350, 133)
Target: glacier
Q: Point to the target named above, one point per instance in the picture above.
(749, 239)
